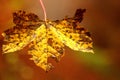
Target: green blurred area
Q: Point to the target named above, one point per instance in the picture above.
(102, 19)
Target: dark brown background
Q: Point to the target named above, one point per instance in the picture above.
(102, 19)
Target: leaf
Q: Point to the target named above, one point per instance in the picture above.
(46, 39)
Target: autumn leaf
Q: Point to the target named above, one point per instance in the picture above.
(46, 39)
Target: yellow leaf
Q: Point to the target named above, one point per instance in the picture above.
(45, 39)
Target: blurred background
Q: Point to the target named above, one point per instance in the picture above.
(102, 19)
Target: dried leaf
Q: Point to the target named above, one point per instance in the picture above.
(46, 39)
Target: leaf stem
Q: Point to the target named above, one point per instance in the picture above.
(44, 10)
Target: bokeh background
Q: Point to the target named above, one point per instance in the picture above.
(102, 19)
